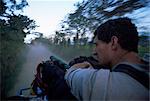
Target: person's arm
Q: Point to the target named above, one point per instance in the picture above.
(80, 79)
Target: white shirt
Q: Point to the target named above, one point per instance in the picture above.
(100, 85)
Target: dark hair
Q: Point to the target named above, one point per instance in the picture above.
(122, 28)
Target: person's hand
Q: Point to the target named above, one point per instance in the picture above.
(82, 65)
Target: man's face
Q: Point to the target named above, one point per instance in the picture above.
(102, 50)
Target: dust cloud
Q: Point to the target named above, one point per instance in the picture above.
(36, 53)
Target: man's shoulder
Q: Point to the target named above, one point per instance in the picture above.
(140, 67)
(138, 72)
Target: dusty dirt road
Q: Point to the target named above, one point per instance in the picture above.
(34, 56)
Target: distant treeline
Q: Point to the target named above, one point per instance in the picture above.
(144, 41)
(70, 50)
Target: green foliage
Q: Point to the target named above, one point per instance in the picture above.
(144, 40)
(12, 6)
(70, 52)
(12, 33)
(2, 7)
(142, 50)
(67, 52)
(10, 64)
(59, 38)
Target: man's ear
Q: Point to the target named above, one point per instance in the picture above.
(114, 42)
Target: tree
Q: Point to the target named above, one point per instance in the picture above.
(60, 38)
(91, 13)
(12, 6)
(12, 32)
(14, 22)
(77, 23)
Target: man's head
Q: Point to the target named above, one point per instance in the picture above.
(115, 37)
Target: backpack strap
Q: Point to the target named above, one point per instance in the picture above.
(141, 76)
